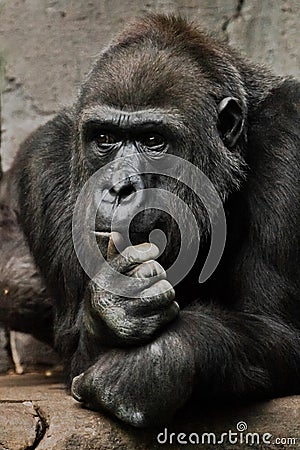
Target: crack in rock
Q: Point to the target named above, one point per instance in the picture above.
(41, 425)
(236, 15)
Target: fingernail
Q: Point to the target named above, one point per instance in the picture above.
(146, 247)
(75, 387)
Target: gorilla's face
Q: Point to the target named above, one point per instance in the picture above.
(129, 123)
(131, 151)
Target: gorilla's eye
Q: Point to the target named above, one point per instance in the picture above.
(106, 139)
(153, 141)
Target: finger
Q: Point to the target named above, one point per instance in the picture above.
(157, 295)
(151, 324)
(161, 288)
(83, 389)
(170, 313)
(101, 293)
(148, 269)
(134, 255)
(76, 387)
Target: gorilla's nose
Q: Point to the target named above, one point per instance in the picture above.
(123, 192)
(118, 201)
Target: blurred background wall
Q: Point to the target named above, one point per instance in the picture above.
(49, 45)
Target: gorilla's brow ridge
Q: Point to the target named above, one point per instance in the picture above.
(108, 116)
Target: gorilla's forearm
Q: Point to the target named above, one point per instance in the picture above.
(141, 385)
(241, 355)
(212, 353)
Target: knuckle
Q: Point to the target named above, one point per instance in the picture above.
(139, 253)
(119, 261)
(171, 312)
(128, 253)
(132, 253)
(149, 269)
(155, 268)
(161, 288)
(165, 286)
(127, 258)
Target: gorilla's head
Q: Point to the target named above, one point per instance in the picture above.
(151, 95)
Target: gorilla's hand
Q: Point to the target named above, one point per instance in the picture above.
(123, 319)
(143, 385)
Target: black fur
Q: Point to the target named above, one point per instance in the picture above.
(237, 335)
(24, 302)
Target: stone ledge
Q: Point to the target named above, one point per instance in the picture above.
(36, 413)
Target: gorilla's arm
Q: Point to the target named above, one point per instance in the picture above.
(214, 353)
(249, 349)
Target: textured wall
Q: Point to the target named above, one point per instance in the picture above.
(48, 46)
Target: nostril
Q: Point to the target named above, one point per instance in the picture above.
(126, 191)
(123, 192)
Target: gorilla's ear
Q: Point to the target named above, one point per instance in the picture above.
(230, 120)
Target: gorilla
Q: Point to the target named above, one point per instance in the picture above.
(164, 89)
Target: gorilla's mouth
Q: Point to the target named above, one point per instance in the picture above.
(150, 225)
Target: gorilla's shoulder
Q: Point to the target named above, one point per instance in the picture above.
(274, 125)
(283, 101)
(53, 139)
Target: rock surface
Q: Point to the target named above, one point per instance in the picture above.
(36, 413)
